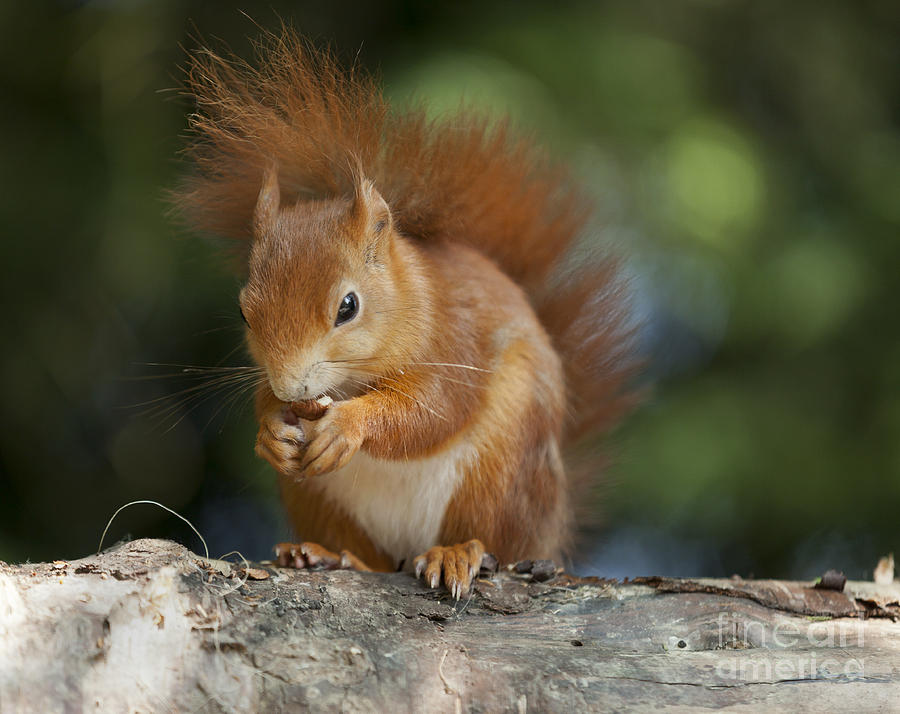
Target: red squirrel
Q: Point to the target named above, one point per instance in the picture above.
(414, 272)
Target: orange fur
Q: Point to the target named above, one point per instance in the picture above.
(330, 525)
(470, 339)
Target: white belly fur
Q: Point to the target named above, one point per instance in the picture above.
(399, 504)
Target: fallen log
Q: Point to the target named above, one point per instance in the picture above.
(150, 626)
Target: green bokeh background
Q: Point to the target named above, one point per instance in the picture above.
(745, 157)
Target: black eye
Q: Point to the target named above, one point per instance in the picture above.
(348, 309)
(243, 316)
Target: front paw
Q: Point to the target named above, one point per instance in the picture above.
(281, 441)
(336, 441)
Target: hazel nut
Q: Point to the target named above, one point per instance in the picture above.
(311, 409)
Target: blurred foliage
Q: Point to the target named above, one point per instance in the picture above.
(745, 157)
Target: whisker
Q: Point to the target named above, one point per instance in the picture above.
(163, 408)
(370, 360)
(445, 378)
(369, 387)
(216, 382)
(231, 352)
(453, 364)
(198, 400)
(405, 394)
(217, 329)
(236, 392)
(163, 412)
(196, 368)
(337, 390)
(433, 375)
(241, 393)
(184, 374)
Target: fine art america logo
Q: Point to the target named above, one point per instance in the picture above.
(823, 649)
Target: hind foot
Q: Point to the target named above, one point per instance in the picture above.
(459, 564)
(313, 555)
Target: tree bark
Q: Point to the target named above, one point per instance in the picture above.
(150, 626)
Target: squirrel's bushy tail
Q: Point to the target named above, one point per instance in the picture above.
(462, 178)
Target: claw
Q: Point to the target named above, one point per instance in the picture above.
(289, 555)
(309, 555)
(280, 443)
(457, 564)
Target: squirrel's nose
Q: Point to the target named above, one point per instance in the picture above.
(288, 388)
(298, 378)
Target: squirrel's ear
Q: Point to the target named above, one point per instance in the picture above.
(370, 210)
(267, 203)
(372, 216)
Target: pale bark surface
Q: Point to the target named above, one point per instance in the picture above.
(150, 626)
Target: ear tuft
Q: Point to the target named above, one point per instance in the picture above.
(267, 203)
(370, 210)
(372, 216)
